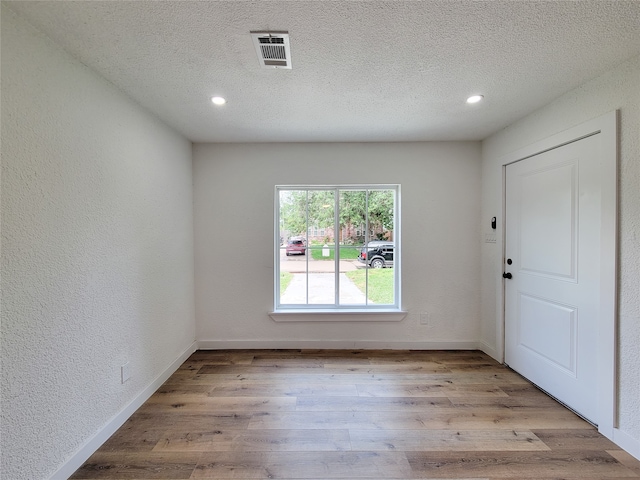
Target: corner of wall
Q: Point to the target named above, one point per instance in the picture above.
(102, 435)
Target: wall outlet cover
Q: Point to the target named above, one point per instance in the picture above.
(125, 372)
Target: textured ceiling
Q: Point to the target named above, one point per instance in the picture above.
(362, 70)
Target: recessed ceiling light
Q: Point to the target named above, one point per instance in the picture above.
(474, 98)
(218, 100)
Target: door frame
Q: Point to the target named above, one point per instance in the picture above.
(606, 126)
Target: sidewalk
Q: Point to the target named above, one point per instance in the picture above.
(299, 265)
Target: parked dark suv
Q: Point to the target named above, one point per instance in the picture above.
(377, 254)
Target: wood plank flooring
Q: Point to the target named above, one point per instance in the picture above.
(317, 414)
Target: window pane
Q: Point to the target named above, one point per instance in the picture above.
(293, 247)
(352, 280)
(353, 210)
(381, 207)
(322, 279)
(381, 247)
(352, 216)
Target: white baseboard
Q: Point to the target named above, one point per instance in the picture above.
(626, 442)
(93, 443)
(334, 345)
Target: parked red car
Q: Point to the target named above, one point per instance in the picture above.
(296, 245)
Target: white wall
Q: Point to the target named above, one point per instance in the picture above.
(97, 251)
(617, 89)
(234, 214)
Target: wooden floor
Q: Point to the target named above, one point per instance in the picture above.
(353, 415)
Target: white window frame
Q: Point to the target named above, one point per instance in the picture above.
(334, 312)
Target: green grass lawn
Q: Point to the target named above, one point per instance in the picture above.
(380, 283)
(285, 280)
(346, 253)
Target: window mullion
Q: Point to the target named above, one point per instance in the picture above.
(397, 254)
(306, 240)
(277, 282)
(336, 244)
(366, 245)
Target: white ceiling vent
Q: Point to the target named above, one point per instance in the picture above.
(273, 49)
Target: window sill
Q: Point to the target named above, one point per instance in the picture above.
(338, 315)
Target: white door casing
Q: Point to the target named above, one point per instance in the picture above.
(560, 233)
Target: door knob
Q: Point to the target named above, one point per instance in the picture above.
(507, 275)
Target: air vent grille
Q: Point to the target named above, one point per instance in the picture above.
(275, 52)
(273, 49)
(271, 40)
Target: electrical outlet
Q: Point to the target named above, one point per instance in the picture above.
(125, 372)
(424, 318)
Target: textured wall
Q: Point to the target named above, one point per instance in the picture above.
(97, 251)
(234, 198)
(617, 89)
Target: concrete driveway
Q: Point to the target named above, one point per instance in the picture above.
(321, 281)
(321, 290)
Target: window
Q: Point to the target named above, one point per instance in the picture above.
(337, 248)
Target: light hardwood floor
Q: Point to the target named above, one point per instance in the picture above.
(318, 414)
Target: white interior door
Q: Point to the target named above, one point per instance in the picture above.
(552, 251)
